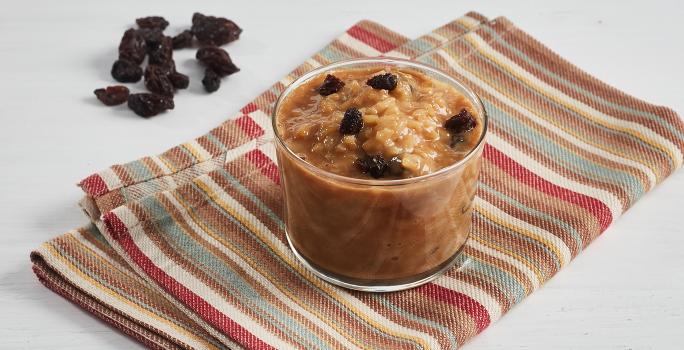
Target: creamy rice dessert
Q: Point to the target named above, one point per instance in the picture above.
(418, 127)
(360, 155)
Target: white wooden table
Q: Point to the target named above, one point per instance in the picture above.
(625, 292)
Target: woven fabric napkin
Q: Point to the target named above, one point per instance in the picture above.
(83, 267)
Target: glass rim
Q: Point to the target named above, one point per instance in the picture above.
(398, 62)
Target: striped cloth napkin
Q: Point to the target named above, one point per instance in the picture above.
(187, 249)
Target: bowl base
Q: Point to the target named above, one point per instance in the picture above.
(374, 285)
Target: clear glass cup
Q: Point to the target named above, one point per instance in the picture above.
(378, 235)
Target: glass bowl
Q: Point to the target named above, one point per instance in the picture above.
(378, 235)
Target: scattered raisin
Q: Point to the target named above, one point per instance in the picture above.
(126, 71)
(387, 81)
(112, 95)
(460, 123)
(210, 30)
(330, 85)
(157, 80)
(152, 22)
(395, 167)
(179, 80)
(375, 165)
(148, 105)
(182, 40)
(163, 54)
(211, 80)
(153, 38)
(217, 59)
(132, 47)
(352, 122)
(161, 77)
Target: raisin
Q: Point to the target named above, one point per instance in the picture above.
(132, 47)
(352, 122)
(375, 165)
(217, 59)
(179, 80)
(211, 80)
(157, 80)
(164, 52)
(112, 95)
(153, 38)
(460, 123)
(330, 85)
(126, 71)
(210, 30)
(182, 40)
(387, 81)
(152, 22)
(394, 166)
(148, 105)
